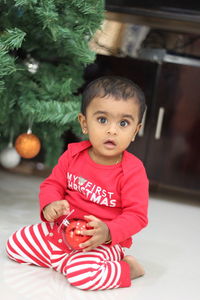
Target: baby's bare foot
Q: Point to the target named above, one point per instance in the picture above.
(135, 268)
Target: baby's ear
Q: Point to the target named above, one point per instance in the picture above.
(83, 122)
(136, 131)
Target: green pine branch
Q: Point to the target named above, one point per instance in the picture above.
(52, 36)
(28, 3)
(7, 63)
(12, 38)
(59, 113)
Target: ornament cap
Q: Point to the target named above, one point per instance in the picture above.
(10, 145)
(29, 131)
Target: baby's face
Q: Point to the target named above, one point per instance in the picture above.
(111, 126)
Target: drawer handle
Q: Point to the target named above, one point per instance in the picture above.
(159, 123)
(141, 131)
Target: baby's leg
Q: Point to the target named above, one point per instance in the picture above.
(29, 245)
(99, 269)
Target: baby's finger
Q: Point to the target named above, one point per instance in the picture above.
(88, 249)
(60, 211)
(85, 232)
(49, 218)
(91, 218)
(92, 224)
(63, 209)
(66, 204)
(88, 245)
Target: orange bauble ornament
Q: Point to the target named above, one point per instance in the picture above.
(27, 145)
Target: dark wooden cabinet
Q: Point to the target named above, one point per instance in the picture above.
(174, 143)
(169, 142)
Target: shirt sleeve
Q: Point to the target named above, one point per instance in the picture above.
(134, 197)
(53, 188)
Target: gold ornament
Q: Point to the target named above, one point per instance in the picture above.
(27, 145)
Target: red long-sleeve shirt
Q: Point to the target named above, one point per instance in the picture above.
(116, 194)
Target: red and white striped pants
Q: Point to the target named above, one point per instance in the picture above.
(98, 269)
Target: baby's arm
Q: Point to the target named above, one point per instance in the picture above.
(55, 210)
(134, 197)
(53, 191)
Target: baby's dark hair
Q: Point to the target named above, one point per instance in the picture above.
(116, 86)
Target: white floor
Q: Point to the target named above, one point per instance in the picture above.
(169, 250)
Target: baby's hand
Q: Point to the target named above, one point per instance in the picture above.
(55, 210)
(99, 234)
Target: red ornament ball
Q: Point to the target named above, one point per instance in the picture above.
(27, 145)
(72, 236)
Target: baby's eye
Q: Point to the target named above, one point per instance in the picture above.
(124, 123)
(102, 120)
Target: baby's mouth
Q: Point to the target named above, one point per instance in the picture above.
(110, 143)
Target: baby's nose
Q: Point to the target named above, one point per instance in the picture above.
(112, 129)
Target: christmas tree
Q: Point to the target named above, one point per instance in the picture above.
(43, 53)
